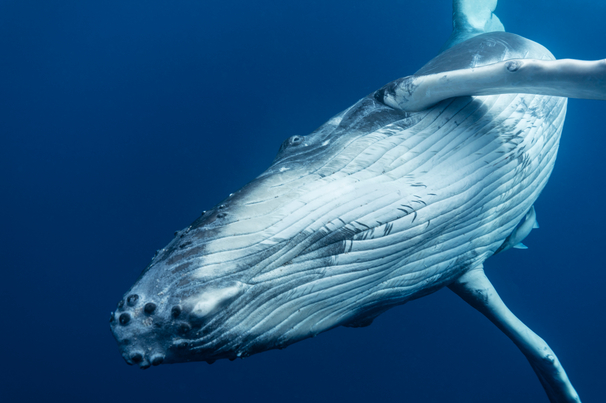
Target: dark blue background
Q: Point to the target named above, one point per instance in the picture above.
(122, 120)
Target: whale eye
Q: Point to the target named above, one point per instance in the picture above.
(291, 142)
(176, 311)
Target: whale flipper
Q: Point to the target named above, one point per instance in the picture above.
(514, 240)
(471, 18)
(475, 288)
(561, 78)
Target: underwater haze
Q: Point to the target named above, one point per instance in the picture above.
(121, 121)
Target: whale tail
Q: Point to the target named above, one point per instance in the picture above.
(471, 18)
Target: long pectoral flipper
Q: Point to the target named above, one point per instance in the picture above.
(475, 288)
(563, 78)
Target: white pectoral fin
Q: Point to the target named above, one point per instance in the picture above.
(520, 246)
(475, 288)
(562, 78)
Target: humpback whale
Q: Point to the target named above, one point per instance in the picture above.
(407, 191)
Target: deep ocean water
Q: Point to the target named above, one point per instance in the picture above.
(121, 121)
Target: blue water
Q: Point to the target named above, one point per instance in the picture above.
(121, 121)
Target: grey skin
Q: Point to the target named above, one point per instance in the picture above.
(377, 207)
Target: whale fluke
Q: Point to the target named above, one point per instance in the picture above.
(471, 18)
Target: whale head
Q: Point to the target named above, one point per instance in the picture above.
(152, 328)
(254, 273)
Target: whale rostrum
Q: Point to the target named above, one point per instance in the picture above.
(407, 191)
